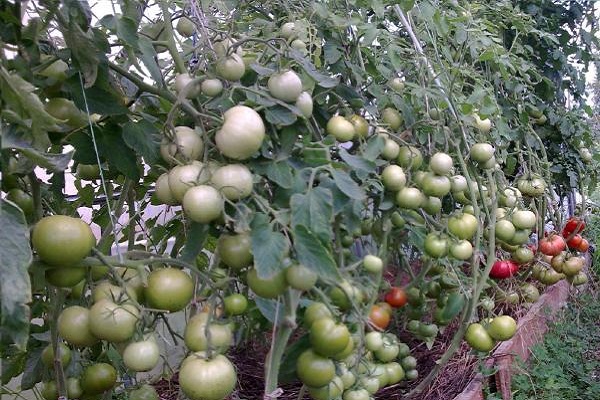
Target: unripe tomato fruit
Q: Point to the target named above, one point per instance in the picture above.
(113, 322)
(410, 157)
(502, 327)
(49, 390)
(169, 289)
(235, 304)
(231, 68)
(314, 370)
(268, 288)
(328, 338)
(300, 277)
(392, 117)
(373, 264)
(98, 378)
(21, 199)
(484, 125)
(342, 129)
(144, 392)
(185, 27)
(184, 145)
(482, 152)
(410, 198)
(441, 163)
(63, 351)
(162, 190)
(361, 126)
(207, 379)
(60, 240)
(242, 133)
(285, 86)
(234, 181)
(393, 177)
(396, 84)
(304, 102)
(524, 219)
(235, 250)
(391, 149)
(185, 82)
(184, 177)
(316, 310)
(211, 87)
(288, 30)
(478, 338)
(141, 356)
(73, 326)
(202, 204)
(197, 339)
(65, 277)
(88, 172)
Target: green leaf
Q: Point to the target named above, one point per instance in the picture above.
(287, 371)
(268, 247)
(314, 210)
(195, 238)
(53, 162)
(97, 99)
(148, 57)
(112, 146)
(15, 287)
(407, 5)
(143, 138)
(34, 369)
(347, 185)
(357, 162)
(278, 115)
(321, 79)
(84, 148)
(272, 310)
(20, 96)
(313, 254)
(127, 31)
(82, 46)
(378, 8)
(280, 172)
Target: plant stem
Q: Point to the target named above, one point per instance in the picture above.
(171, 45)
(56, 300)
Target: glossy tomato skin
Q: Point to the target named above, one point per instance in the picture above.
(503, 269)
(144, 392)
(583, 246)
(268, 288)
(242, 133)
(379, 317)
(141, 356)
(235, 250)
(300, 277)
(98, 378)
(328, 338)
(235, 304)
(478, 338)
(573, 225)
(207, 379)
(502, 327)
(575, 241)
(314, 370)
(316, 310)
(396, 297)
(61, 240)
(169, 289)
(113, 322)
(73, 326)
(552, 245)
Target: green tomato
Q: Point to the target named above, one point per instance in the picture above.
(235, 304)
(268, 288)
(169, 289)
(314, 370)
(61, 241)
(328, 338)
(98, 378)
(235, 250)
(300, 277)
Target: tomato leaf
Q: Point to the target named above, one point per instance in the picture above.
(143, 138)
(314, 210)
(148, 57)
(347, 185)
(195, 238)
(287, 371)
(278, 115)
(113, 148)
(269, 309)
(313, 254)
(53, 162)
(357, 162)
(268, 247)
(15, 287)
(280, 172)
(34, 368)
(82, 48)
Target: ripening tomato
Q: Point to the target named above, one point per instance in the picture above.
(552, 245)
(379, 317)
(575, 241)
(573, 225)
(503, 269)
(396, 297)
(583, 246)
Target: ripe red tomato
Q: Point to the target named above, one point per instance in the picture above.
(503, 269)
(583, 246)
(379, 317)
(396, 297)
(574, 242)
(552, 245)
(573, 225)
